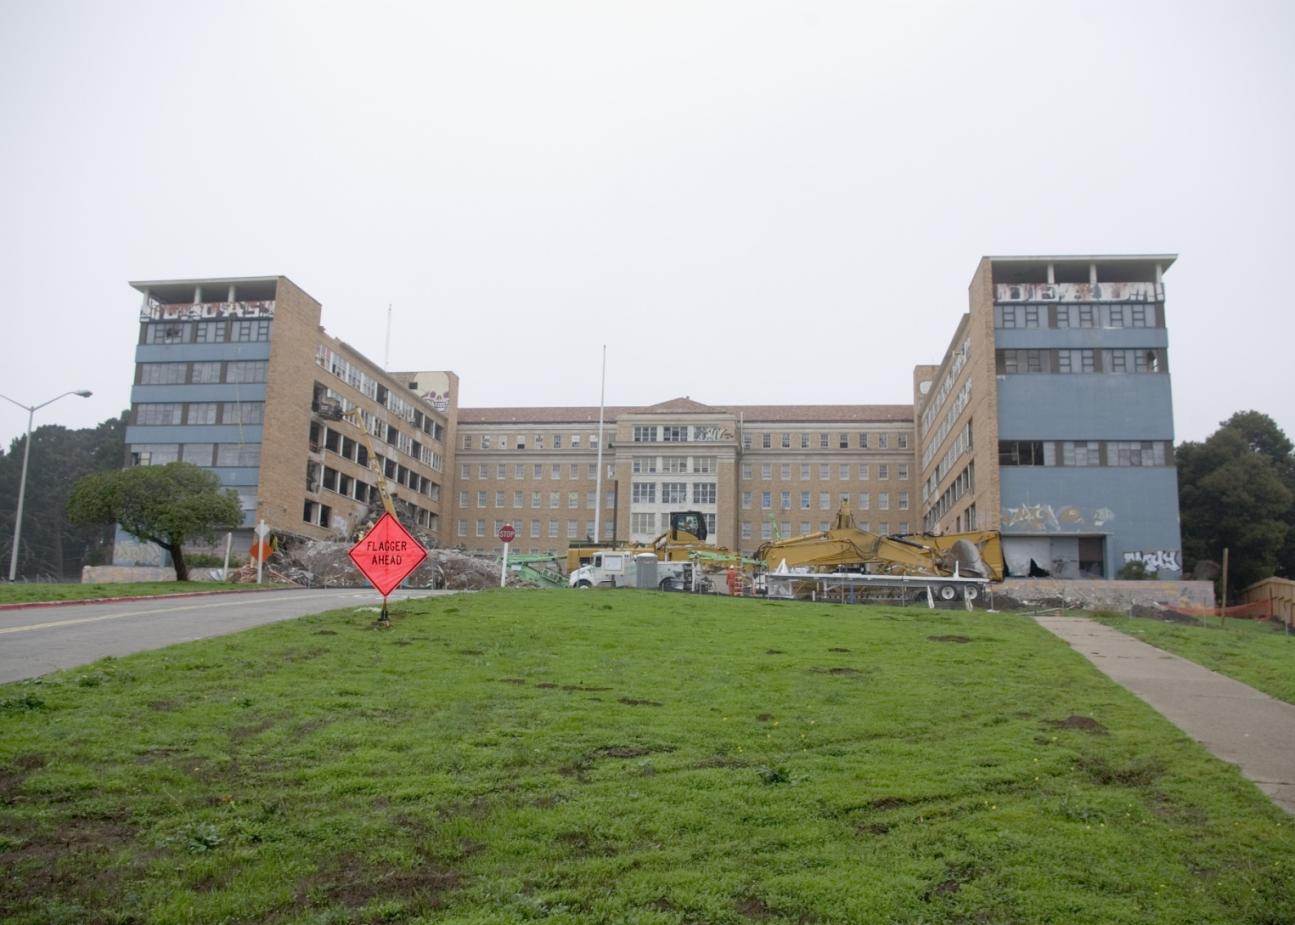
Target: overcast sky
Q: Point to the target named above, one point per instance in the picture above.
(748, 202)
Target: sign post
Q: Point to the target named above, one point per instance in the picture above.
(507, 534)
(386, 556)
(261, 550)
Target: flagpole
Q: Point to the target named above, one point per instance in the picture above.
(598, 479)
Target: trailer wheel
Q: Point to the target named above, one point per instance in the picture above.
(584, 584)
(948, 593)
(668, 584)
(973, 593)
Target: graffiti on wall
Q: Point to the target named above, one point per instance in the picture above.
(200, 311)
(1157, 560)
(707, 433)
(1044, 518)
(1076, 292)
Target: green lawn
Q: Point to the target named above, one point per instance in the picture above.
(622, 757)
(1259, 654)
(37, 591)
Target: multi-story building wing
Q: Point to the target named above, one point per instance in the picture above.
(1050, 417)
(236, 375)
(752, 471)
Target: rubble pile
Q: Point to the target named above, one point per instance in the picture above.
(315, 563)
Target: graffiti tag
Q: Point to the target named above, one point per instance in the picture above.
(1157, 560)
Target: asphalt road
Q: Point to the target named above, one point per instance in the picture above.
(43, 639)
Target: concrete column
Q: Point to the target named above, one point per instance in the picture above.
(144, 303)
(1052, 276)
(231, 294)
(1160, 278)
(197, 294)
(1092, 274)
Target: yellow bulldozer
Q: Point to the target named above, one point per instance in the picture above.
(845, 547)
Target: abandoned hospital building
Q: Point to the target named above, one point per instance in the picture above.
(1048, 418)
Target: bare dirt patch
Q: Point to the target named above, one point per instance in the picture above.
(631, 702)
(1082, 723)
(764, 717)
(1132, 774)
(837, 649)
(547, 685)
(583, 687)
(774, 652)
(471, 652)
(354, 882)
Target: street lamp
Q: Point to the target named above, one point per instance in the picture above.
(22, 482)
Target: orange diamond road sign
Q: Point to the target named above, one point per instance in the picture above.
(387, 554)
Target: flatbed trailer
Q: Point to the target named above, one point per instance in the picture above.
(858, 587)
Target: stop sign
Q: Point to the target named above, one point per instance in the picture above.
(507, 534)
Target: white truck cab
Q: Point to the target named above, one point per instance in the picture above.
(627, 570)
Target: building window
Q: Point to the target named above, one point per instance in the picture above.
(703, 464)
(1020, 453)
(766, 500)
(482, 499)
(746, 472)
(865, 502)
(481, 528)
(843, 441)
(784, 500)
(674, 434)
(746, 500)
(461, 528)
(1081, 453)
(674, 464)
(246, 412)
(641, 523)
(785, 441)
(703, 492)
(766, 441)
(863, 441)
(786, 472)
(863, 472)
(883, 441)
(244, 455)
(1074, 361)
(154, 454)
(501, 470)
(555, 471)
(205, 373)
(200, 454)
(746, 530)
(766, 472)
(467, 441)
(168, 332)
(903, 503)
(245, 371)
(162, 373)
(158, 413)
(209, 332)
(746, 441)
(463, 498)
(573, 529)
(537, 471)
(1135, 453)
(823, 441)
(674, 492)
(766, 531)
(557, 441)
(553, 529)
(804, 472)
(843, 471)
(573, 499)
(804, 501)
(643, 492)
(555, 499)
(824, 501)
(883, 472)
(902, 474)
(519, 470)
(499, 498)
(244, 331)
(804, 441)
(903, 441)
(465, 471)
(645, 434)
(535, 529)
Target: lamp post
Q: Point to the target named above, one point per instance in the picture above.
(22, 481)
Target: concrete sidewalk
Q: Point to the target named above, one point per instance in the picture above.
(1234, 721)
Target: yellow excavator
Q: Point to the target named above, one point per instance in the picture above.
(977, 554)
(687, 533)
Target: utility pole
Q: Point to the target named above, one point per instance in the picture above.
(598, 477)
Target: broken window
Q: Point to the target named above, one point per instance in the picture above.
(1020, 453)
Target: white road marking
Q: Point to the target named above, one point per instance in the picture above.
(157, 610)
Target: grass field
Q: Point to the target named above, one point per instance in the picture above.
(622, 757)
(1260, 654)
(38, 591)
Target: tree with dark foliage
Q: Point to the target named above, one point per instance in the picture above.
(52, 546)
(1236, 490)
(168, 505)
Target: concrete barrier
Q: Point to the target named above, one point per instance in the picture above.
(1114, 595)
(119, 574)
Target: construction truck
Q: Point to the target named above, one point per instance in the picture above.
(626, 569)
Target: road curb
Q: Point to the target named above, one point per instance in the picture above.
(27, 605)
